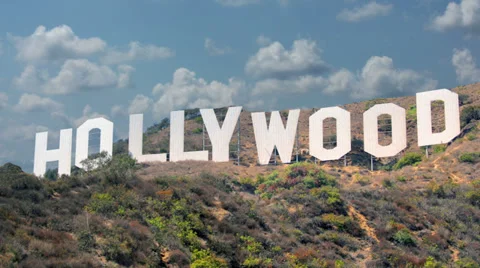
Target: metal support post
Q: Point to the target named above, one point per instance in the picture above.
(371, 162)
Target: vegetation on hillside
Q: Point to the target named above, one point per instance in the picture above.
(418, 212)
(299, 216)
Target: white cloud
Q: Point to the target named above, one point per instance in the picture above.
(300, 84)
(118, 110)
(377, 78)
(256, 104)
(465, 16)
(30, 79)
(34, 103)
(87, 113)
(3, 100)
(214, 50)
(274, 61)
(465, 66)
(263, 41)
(367, 11)
(16, 132)
(74, 76)
(188, 91)
(139, 104)
(57, 44)
(137, 51)
(83, 75)
(125, 76)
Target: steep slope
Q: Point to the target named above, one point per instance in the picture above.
(219, 215)
(412, 211)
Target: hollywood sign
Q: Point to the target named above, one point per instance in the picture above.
(266, 137)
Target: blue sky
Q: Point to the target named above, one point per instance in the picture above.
(63, 62)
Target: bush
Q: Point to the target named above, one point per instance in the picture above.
(205, 259)
(387, 183)
(408, 160)
(159, 126)
(470, 136)
(439, 148)
(470, 157)
(101, 203)
(412, 113)
(466, 263)
(86, 241)
(470, 114)
(463, 99)
(199, 120)
(432, 263)
(362, 180)
(335, 221)
(404, 237)
(51, 174)
(331, 194)
(473, 196)
(197, 130)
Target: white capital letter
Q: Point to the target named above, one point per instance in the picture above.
(135, 142)
(370, 130)
(344, 140)
(275, 135)
(424, 117)
(106, 138)
(63, 154)
(220, 137)
(177, 132)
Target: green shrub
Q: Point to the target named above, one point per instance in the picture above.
(119, 249)
(470, 157)
(331, 194)
(362, 180)
(51, 174)
(408, 160)
(197, 130)
(473, 196)
(337, 221)
(432, 263)
(86, 241)
(439, 148)
(205, 259)
(199, 120)
(463, 99)
(404, 237)
(470, 136)
(387, 183)
(466, 263)
(158, 127)
(470, 114)
(102, 203)
(412, 113)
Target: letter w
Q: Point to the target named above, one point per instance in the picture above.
(275, 136)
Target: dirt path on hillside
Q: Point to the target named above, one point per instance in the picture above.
(455, 178)
(455, 253)
(367, 251)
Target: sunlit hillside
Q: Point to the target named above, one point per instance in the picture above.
(410, 211)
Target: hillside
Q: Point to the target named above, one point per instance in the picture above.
(414, 212)
(157, 137)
